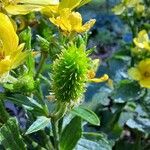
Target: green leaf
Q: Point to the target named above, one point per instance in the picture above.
(85, 144)
(92, 140)
(87, 115)
(29, 103)
(39, 124)
(10, 136)
(25, 37)
(140, 124)
(126, 90)
(71, 134)
(145, 103)
(3, 113)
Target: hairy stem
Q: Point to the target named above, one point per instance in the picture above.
(55, 133)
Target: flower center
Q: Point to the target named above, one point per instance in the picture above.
(146, 74)
(2, 54)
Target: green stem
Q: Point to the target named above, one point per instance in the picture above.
(42, 61)
(47, 140)
(34, 144)
(55, 133)
(131, 25)
(4, 116)
(137, 145)
(60, 125)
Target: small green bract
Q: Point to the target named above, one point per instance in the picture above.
(70, 74)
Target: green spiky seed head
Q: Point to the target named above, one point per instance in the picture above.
(70, 74)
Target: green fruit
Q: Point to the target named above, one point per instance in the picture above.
(70, 74)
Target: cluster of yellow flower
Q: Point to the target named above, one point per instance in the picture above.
(67, 19)
(61, 14)
(141, 72)
(11, 53)
(137, 5)
(142, 41)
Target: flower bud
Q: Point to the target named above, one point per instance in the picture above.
(44, 44)
(24, 84)
(70, 74)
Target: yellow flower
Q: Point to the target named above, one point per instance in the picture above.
(118, 9)
(11, 55)
(71, 4)
(141, 73)
(131, 3)
(140, 8)
(142, 40)
(22, 7)
(125, 4)
(64, 4)
(104, 78)
(91, 77)
(71, 22)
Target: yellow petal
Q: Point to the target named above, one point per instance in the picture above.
(147, 45)
(101, 79)
(141, 39)
(18, 57)
(71, 4)
(140, 8)
(62, 21)
(91, 74)
(22, 9)
(5, 65)
(87, 26)
(40, 2)
(145, 83)
(50, 11)
(110, 83)
(119, 9)
(8, 37)
(144, 65)
(83, 2)
(134, 73)
(131, 3)
(75, 20)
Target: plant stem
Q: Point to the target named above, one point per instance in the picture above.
(55, 133)
(42, 61)
(4, 116)
(47, 140)
(131, 25)
(34, 144)
(60, 124)
(137, 145)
